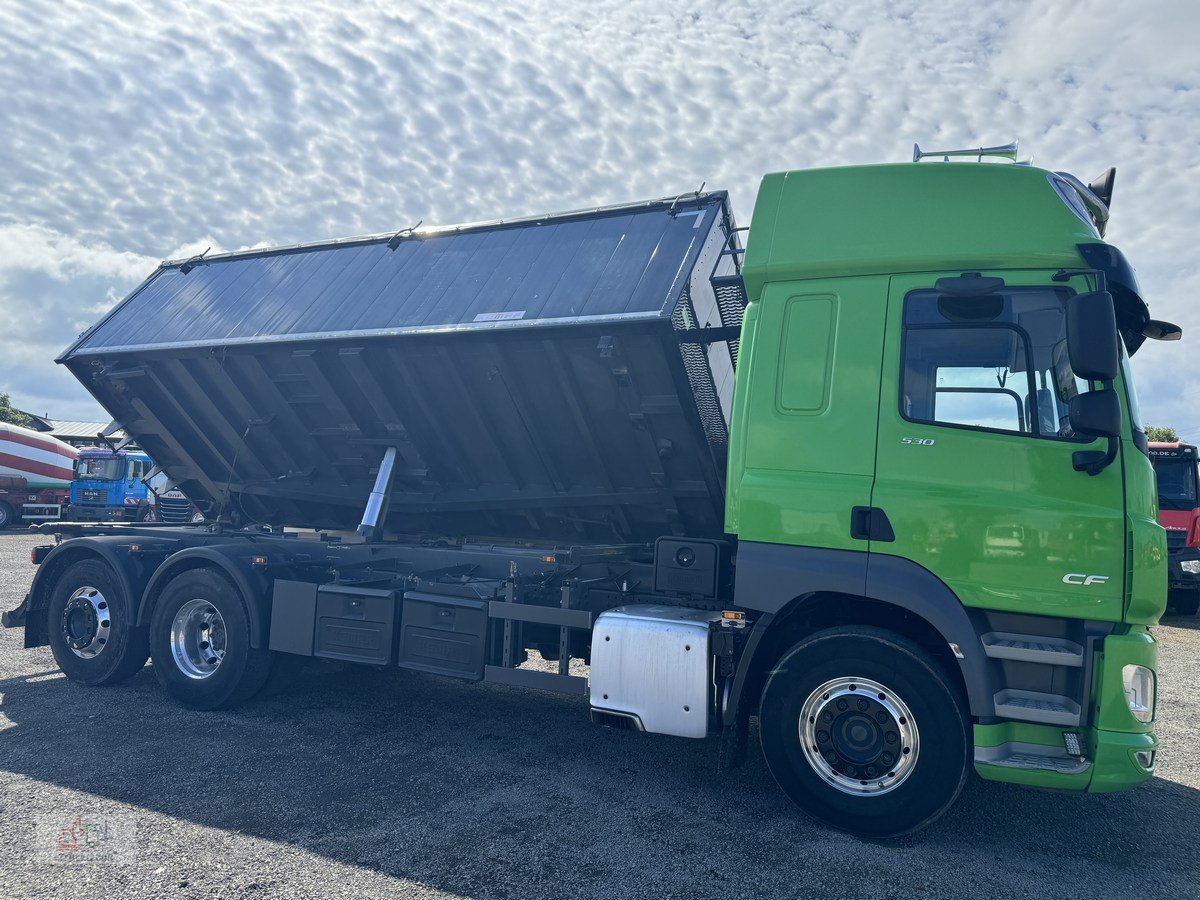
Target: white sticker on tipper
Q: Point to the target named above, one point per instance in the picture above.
(500, 316)
(698, 213)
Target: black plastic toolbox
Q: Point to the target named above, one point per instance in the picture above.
(446, 635)
(356, 624)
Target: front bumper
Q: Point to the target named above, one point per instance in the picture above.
(1116, 765)
(82, 513)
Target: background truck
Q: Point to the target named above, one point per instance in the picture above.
(108, 485)
(35, 476)
(913, 535)
(1175, 467)
(121, 485)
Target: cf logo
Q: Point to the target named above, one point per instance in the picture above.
(1075, 578)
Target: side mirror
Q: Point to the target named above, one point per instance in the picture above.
(1092, 336)
(1157, 330)
(1096, 413)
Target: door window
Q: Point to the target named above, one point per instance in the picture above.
(997, 363)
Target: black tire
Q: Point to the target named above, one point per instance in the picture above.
(937, 727)
(7, 515)
(240, 671)
(1186, 602)
(86, 649)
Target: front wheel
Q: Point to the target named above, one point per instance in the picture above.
(864, 731)
(7, 516)
(200, 642)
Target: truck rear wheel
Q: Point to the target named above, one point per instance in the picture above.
(90, 624)
(863, 730)
(200, 642)
(7, 515)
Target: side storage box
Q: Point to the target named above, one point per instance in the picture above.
(444, 635)
(356, 624)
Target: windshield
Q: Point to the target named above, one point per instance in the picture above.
(1176, 483)
(98, 469)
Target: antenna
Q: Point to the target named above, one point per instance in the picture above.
(1005, 151)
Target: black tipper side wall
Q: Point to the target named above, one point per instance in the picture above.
(533, 375)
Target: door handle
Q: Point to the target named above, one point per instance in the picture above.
(870, 523)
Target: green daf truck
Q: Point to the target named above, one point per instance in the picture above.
(871, 484)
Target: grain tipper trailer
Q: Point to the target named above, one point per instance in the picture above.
(914, 534)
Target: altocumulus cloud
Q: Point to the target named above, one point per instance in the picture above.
(129, 134)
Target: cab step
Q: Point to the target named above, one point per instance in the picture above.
(1017, 755)
(1032, 648)
(1034, 706)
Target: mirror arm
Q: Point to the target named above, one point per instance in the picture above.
(1094, 461)
(1068, 274)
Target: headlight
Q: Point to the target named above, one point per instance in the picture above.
(1139, 691)
(1191, 566)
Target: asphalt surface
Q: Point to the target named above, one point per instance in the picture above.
(355, 783)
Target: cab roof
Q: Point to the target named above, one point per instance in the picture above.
(910, 217)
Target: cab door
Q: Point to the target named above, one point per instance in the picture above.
(974, 460)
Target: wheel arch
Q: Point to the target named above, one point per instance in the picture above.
(226, 561)
(61, 558)
(799, 590)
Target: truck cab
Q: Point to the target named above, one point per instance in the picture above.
(108, 486)
(1175, 466)
(935, 410)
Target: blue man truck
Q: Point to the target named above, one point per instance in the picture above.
(113, 485)
(108, 485)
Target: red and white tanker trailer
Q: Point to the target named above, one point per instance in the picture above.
(35, 475)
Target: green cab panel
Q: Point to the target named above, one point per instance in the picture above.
(1147, 564)
(804, 412)
(1134, 648)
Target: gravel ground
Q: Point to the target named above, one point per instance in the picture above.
(357, 784)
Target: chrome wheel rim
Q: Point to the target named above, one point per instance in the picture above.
(859, 736)
(198, 639)
(86, 622)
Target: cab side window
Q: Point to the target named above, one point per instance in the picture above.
(994, 363)
(967, 376)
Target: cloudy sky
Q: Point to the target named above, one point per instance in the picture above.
(132, 133)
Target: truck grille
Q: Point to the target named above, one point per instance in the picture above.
(174, 512)
(1176, 540)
